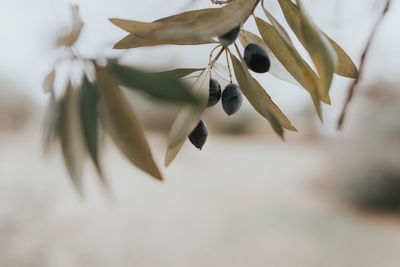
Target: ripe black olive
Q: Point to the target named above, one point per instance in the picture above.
(215, 93)
(199, 135)
(231, 99)
(257, 58)
(230, 37)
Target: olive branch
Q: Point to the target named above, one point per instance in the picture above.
(82, 113)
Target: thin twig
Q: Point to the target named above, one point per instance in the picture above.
(212, 63)
(229, 51)
(212, 52)
(353, 86)
(217, 57)
(228, 65)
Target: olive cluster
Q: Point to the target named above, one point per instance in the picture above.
(231, 98)
(256, 59)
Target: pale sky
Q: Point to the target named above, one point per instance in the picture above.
(28, 29)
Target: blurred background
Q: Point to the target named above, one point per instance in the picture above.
(322, 198)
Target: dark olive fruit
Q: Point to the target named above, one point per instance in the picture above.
(199, 135)
(231, 99)
(256, 58)
(230, 37)
(215, 93)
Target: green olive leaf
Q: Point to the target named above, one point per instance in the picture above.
(164, 85)
(134, 41)
(292, 13)
(259, 98)
(277, 118)
(214, 21)
(321, 51)
(52, 121)
(89, 98)
(180, 73)
(141, 35)
(172, 153)
(345, 66)
(188, 16)
(324, 81)
(48, 82)
(278, 27)
(194, 27)
(189, 116)
(72, 36)
(138, 28)
(71, 139)
(277, 69)
(123, 124)
(291, 60)
(220, 73)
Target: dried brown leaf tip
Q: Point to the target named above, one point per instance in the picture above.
(69, 38)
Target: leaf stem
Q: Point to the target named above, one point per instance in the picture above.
(227, 62)
(217, 57)
(212, 52)
(262, 4)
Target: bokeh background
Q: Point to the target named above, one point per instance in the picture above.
(322, 198)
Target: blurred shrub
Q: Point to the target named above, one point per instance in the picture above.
(16, 108)
(367, 164)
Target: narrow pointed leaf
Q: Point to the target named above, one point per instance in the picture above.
(320, 50)
(48, 82)
(89, 98)
(277, 119)
(145, 28)
(346, 66)
(72, 36)
(190, 114)
(220, 73)
(258, 97)
(277, 69)
(134, 41)
(291, 60)
(278, 27)
(172, 153)
(180, 73)
(216, 21)
(123, 125)
(315, 79)
(52, 121)
(195, 27)
(141, 34)
(72, 144)
(162, 86)
(188, 16)
(138, 28)
(188, 117)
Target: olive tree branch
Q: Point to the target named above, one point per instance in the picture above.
(364, 55)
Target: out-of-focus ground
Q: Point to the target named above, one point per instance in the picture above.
(245, 200)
